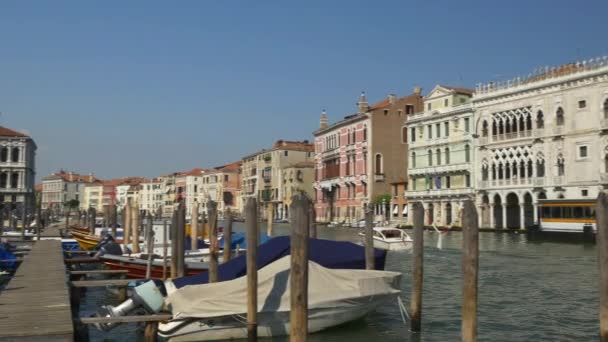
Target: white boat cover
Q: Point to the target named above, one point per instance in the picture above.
(327, 288)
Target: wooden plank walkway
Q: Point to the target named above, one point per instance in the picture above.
(35, 305)
(52, 231)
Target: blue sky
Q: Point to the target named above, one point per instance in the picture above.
(125, 88)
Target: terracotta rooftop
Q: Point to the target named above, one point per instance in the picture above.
(7, 132)
(459, 90)
(72, 177)
(235, 166)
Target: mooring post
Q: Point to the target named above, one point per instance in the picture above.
(150, 247)
(150, 331)
(164, 250)
(369, 237)
(299, 269)
(135, 226)
(23, 219)
(67, 219)
(126, 229)
(38, 220)
(114, 221)
(181, 234)
(417, 267)
(602, 246)
(194, 226)
(251, 226)
(92, 218)
(213, 243)
(174, 247)
(270, 221)
(312, 221)
(228, 236)
(470, 268)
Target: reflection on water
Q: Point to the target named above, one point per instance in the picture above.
(529, 290)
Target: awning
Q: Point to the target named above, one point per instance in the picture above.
(395, 209)
(405, 209)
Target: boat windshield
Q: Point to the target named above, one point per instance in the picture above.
(392, 234)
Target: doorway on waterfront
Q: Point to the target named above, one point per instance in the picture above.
(497, 212)
(448, 214)
(513, 212)
(528, 210)
(430, 214)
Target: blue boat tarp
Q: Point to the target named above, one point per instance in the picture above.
(239, 239)
(5, 254)
(327, 253)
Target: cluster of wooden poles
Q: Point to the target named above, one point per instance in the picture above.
(42, 219)
(303, 226)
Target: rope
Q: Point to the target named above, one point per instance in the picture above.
(402, 310)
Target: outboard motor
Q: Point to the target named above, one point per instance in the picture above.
(146, 296)
(107, 245)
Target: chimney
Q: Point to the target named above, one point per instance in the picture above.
(417, 90)
(362, 105)
(71, 178)
(323, 121)
(392, 98)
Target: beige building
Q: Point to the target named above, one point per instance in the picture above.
(297, 178)
(92, 197)
(150, 195)
(222, 185)
(441, 155)
(262, 173)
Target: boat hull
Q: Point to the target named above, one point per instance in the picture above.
(270, 324)
(392, 245)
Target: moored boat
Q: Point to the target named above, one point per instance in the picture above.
(390, 239)
(211, 312)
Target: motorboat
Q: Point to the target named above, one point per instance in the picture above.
(390, 239)
(217, 311)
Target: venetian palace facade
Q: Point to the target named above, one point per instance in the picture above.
(541, 137)
(441, 155)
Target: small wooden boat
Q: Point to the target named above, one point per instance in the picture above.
(390, 239)
(136, 266)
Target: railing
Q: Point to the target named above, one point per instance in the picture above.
(539, 132)
(512, 135)
(427, 192)
(539, 181)
(483, 184)
(483, 140)
(379, 177)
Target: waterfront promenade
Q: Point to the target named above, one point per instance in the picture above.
(35, 305)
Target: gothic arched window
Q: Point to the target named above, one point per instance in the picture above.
(559, 117)
(540, 121)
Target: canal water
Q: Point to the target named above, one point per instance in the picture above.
(530, 289)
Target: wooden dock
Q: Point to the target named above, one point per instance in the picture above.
(35, 305)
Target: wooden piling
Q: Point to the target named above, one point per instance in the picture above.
(299, 268)
(173, 235)
(164, 250)
(213, 242)
(470, 266)
(194, 226)
(602, 246)
(417, 267)
(67, 219)
(126, 229)
(312, 221)
(270, 221)
(181, 233)
(92, 217)
(150, 246)
(251, 225)
(23, 219)
(369, 238)
(135, 226)
(228, 236)
(150, 331)
(38, 220)
(114, 215)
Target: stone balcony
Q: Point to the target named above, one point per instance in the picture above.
(379, 177)
(440, 169)
(604, 123)
(439, 192)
